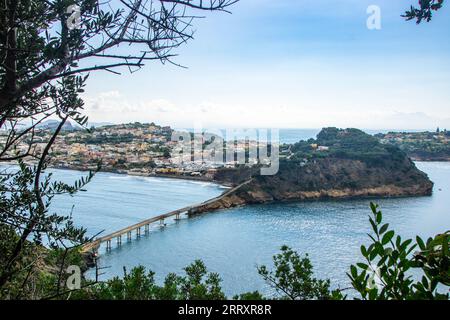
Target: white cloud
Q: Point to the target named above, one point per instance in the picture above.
(115, 107)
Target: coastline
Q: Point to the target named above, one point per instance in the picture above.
(182, 177)
(325, 199)
(419, 159)
(236, 200)
(120, 172)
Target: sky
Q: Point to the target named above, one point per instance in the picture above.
(292, 64)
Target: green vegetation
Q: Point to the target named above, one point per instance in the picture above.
(139, 284)
(345, 144)
(384, 274)
(425, 10)
(27, 223)
(293, 277)
(37, 272)
(341, 163)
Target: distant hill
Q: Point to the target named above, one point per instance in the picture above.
(68, 126)
(53, 124)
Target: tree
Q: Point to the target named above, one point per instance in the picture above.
(196, 284)
(25, 216)
(47, 40)
(425, 10)
(386, 272)
(293, 277)
(47, 49)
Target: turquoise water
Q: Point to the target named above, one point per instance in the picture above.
(233, 242)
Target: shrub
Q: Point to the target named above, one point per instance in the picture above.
(386, 272)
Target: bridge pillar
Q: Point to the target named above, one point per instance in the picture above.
(119, 241)
(138, 232)
(161, 223)
(177, 217)
(147, 229)
(129, 235)
(108, 245)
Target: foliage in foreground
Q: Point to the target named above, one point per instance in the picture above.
(425, 10)
(39, 271)
(48, 50)
(197, 283)
(293, 277)
(392, 265)
(27, 223)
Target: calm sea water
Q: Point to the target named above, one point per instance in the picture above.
(233, 242)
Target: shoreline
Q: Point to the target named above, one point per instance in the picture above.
(325, 199)
(188, 178)
(164, 176)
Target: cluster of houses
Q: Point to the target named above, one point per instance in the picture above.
(139, 149)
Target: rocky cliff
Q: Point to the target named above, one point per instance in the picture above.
(352, 165)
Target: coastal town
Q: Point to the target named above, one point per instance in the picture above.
(151, 150)
(134, 149)
(421, 146)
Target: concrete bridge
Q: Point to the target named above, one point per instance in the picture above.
(137, 228)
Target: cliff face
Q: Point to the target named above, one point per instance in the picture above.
(334, 175)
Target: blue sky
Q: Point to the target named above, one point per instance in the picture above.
(292, 64)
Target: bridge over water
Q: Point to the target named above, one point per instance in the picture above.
(137, 228)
